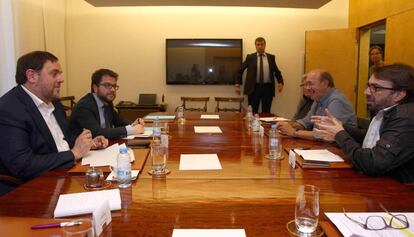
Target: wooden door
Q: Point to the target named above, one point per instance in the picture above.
(336, 51)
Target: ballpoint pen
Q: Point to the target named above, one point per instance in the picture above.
(56, 225)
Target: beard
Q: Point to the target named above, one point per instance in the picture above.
(108, 98)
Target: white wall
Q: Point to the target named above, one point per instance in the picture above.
(131, 41)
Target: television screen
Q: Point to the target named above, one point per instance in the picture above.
(203, 61)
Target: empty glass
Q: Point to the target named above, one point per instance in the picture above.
(159, 159)
(307, 209)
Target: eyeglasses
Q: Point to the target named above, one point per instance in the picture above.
(374, 88)
(110, 86)
(380, 223)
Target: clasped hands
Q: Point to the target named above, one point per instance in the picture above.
(84, 143)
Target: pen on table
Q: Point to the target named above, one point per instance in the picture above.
(56, 225)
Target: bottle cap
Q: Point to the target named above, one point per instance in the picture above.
(274, 126)
(123, 149)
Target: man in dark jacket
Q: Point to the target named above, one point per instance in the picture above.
(387, 146)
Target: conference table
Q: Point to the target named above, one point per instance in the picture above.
(250, 192)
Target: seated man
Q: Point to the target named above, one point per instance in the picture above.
(387, 146)
(95, 111)
(34, 136)
(322, 90)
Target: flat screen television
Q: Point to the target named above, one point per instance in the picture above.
(203, 61)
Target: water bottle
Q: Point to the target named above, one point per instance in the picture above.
(156, 128)
(180, 114)
(123, 168)
(249, 118)
(256, 123)
(275, 143)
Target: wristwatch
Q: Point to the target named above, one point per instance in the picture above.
(295, 134)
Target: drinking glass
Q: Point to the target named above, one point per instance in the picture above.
(83, 230)
(159, 159)
(307, 209)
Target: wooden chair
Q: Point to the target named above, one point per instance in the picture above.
(226, 100)
(185, 101)
(67, 102)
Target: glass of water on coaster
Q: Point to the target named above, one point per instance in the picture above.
(159, 156)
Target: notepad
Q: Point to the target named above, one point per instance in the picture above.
(148, 131)
(105, 157)
(209, 233)
(160, 117)
(318, 155)
(199, 162)
(83, 203)
(210, 116)
(274, 119)
(207, 129)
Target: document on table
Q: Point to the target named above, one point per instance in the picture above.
(199, 162)
(274, 119)
(207, 129)
(148, 131)
(209, 233)
(210, 116)
(83, 203)
(160, 117)
(318, 155)
(349, 228)
(105, 157)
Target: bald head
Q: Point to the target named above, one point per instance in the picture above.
(318, 82)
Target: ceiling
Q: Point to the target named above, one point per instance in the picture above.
(311, 4)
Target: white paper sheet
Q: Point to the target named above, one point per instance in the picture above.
(273, 119)
(83, 203)
(207, 129)
(148, 131)
(134, 175)
(160, 117)
(105, 157)
(210, 116)
(209, 233)
(351, 229)
(319, 155)
(199, 162)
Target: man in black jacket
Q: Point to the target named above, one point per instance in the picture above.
(260, 77)
(387, 146)
(95, 111)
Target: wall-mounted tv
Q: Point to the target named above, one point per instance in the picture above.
(203, 61)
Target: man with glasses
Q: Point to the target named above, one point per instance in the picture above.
(34, 134)
(95, 111)
(387, 146)
(321, 89)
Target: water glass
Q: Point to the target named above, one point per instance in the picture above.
(159, 159)
(307, 209)
(83, 230)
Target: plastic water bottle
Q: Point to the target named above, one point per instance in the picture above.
(249, 118)
(123, 168)
(275, 143)
(256, 123)
(156, 128)
(180, 114)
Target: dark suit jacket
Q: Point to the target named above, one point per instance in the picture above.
(251, 64)
(85, 114)
(27, 146)
(393, 155)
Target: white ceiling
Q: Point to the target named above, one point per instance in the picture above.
(313, 4)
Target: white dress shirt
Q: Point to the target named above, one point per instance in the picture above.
(373, 133)
(47, 113)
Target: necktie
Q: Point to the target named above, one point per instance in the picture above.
(106, 116)
(261, 76)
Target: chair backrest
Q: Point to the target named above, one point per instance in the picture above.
(227, 100)
(185, 101)
(68, 102)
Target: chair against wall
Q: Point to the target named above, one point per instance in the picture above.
(68, 102)
(200, 100)
(227, 100)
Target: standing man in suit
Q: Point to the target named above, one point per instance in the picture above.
(95, 111)
(33, 127)
(260, 78)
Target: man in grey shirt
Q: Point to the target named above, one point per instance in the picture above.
(325, 96)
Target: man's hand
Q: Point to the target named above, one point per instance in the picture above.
(138, 121)
(279, 87)
(138, 129)
(327, 126)
(237, 88)
(83, 144)
(286, 128)
(100, 142)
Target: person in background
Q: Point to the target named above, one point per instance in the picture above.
(322, 90)
(376, 55)
(34, 133)
(305, 102)
(95, 111)
(387, 146)
(260, 77)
